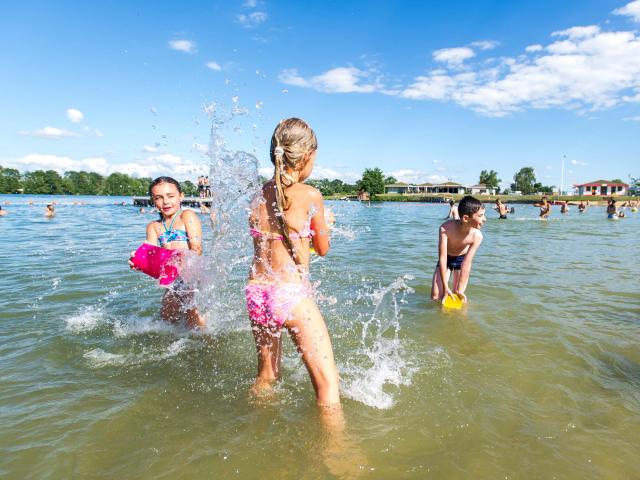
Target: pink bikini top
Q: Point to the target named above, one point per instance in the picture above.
(305, 233)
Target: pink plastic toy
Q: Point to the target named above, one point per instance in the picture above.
(157, 262)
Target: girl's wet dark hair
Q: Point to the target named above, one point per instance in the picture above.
(160, 180)
(469, 205)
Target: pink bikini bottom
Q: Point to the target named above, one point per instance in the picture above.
(271, 304)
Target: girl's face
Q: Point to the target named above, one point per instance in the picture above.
(166, 198)
(308, 167)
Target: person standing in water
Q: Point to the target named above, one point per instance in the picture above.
(545, 208)
(459, 241)
(286, 218)
(502, 209)
(50, 211)
(453, 210)
(565, 207)
(176, 229)
(612, 212)
(582, 207)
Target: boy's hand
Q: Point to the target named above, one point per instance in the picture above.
(463, 296)
(447, 293)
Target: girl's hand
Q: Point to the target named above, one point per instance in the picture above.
(131, 255)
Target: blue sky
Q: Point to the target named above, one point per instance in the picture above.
(427, 91)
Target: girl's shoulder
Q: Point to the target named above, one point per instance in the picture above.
(307, 190)
(189, 216)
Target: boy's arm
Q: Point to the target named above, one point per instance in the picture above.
(442, 260)
(194, 230)
(465, 270)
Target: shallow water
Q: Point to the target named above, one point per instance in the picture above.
(539, 377)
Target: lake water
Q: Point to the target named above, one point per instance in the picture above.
(539, 377)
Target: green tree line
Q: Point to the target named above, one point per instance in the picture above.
(51, 182)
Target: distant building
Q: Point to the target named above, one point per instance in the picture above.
(402, 188)
(399, 187)
(602, 188)
(481, 189)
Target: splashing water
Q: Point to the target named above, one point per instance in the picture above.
(379, 361)
(234, 182)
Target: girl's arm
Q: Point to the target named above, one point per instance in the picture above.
(152, 235)
(442, 260)
(465, 270)
(319, 226)
(194, 230)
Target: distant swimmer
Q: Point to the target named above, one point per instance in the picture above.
(2, 212)
(565, 207)
(142, 210)
(50, 211)
(611, 209)
(582, 207)
(459, 241)
(453, 210)
(545, 208)
(502, 209)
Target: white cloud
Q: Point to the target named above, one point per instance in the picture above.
(253, 19)
(75, 115)
(584, 69)
(336, 80)
(577, 33)
(631, 9)
(152, 166)
(186, 46)
(331, 174)
(50, 132)
(214, 66)
(150, 149)
(61, 164)
(578, 163)
(485, 44)
(409, 175)
(632, 119)
(453, 56)
(266, 171)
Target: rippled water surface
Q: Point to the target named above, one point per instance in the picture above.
(539, 377)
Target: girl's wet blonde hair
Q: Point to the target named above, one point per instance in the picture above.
(292, 143)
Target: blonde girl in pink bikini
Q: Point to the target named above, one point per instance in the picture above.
(286, 219)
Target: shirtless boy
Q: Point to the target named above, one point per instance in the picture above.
(458, 243)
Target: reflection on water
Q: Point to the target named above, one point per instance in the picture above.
(537, 378)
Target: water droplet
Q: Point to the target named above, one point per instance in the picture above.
(284, 90)
(259, 105)
(235, 99)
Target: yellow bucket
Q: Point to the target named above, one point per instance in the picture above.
(453, 302)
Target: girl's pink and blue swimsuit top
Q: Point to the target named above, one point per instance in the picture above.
(171, 235)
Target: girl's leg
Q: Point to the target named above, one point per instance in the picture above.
(309, 332)
(170, 309)
(194, 319)
(269, 349)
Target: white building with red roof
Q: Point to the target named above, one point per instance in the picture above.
(602, 188)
